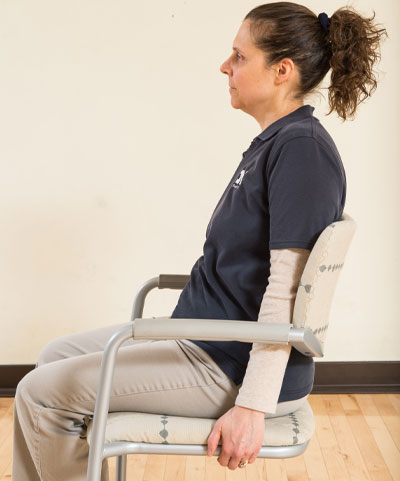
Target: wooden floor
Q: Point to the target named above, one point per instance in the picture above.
(357, 438)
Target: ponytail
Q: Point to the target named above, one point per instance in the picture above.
(348, 44)
(355, 43)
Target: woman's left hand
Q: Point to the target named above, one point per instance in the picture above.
(242, 430)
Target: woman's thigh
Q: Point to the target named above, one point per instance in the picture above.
(161, 377)
(79, 343)
(201, 371)
(55, 401)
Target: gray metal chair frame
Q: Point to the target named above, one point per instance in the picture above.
(302, 339)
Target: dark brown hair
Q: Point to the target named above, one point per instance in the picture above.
(351, 47)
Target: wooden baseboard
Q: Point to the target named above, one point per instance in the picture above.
(358, 377)
(361, 377)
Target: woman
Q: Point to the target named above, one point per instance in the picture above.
(288, 187)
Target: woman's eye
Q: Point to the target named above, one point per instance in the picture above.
(238, 56)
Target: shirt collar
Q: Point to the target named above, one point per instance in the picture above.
(301, 113)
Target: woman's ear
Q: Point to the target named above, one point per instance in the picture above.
(285, 70)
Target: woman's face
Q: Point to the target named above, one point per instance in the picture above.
(252, 86)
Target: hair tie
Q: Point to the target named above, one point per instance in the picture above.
(324, 20)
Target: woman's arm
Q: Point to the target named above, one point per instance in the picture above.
(267, 364)
(242, 427)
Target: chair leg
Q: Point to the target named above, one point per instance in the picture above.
(120, 471)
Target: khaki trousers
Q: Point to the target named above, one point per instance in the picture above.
(54, 401)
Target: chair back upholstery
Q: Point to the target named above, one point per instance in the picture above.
(320, 275)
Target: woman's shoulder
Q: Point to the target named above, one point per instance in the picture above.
(308, 132)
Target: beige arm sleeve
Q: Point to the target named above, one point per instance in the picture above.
(267, 364)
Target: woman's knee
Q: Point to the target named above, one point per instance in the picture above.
(30, 384)
(79, 343)
(49, 385)
(52, 351)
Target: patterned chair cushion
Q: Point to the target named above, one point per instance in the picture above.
(320, 276)
(294, 428)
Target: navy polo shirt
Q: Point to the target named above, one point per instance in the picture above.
(289, 185)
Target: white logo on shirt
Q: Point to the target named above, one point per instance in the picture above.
(238, 181)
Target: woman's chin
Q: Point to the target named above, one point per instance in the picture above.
(235, 104)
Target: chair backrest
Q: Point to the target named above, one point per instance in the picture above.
(321, 272)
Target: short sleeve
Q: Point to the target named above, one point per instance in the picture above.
(306, 192)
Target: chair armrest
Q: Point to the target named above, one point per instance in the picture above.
(158, 328)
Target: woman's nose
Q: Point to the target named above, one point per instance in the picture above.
(224, 67)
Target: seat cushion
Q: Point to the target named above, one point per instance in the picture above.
(294, 428)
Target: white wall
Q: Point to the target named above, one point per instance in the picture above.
(117, 141)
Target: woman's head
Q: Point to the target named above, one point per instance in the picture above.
(257, 89)
(297, 53)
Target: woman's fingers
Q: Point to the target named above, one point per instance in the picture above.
(213, 439)
(228, 457)
(242, 432)
(236, 459)
(253, 456)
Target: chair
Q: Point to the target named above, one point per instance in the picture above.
(122, 433)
